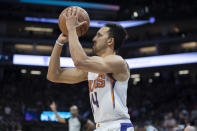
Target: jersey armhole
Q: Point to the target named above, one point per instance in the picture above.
(110, 76)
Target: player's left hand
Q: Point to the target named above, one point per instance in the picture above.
(53, 106)
(71, 17)
(62, 38)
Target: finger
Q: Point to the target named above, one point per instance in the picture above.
(69, 11)
(83, 23)
(76, 12)
(65, 16)
(73, 11)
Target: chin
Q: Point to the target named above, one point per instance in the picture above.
(94, 51)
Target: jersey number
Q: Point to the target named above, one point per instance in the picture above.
(94, 100)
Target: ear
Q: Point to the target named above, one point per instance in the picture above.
(110, 41)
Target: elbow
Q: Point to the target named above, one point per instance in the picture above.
(79, 63)
(48, 77)
(51, 78)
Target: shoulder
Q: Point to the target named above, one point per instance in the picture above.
(115, 60)
(116, 57)
(121, 69)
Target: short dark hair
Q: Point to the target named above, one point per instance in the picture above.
(118, 33)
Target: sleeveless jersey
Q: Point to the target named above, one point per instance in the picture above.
(107, 97)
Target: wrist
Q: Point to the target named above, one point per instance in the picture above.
(59, 43)
(71, 31)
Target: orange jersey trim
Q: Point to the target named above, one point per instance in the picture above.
(112, 92)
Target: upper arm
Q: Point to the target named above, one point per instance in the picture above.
(71, 76)
(109, 64)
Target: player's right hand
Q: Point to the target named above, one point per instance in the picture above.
(53, 106)
(62, 38)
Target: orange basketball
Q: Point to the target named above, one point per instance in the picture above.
(82, 16)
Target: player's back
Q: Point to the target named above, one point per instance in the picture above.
(108, 97)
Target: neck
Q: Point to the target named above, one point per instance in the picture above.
(74, 116)
(106, 52)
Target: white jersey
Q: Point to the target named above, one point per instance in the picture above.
(107, 97)
(74, 124)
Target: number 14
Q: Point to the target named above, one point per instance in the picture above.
(94, 100)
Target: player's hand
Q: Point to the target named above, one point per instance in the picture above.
(71, 17)
(53, 106)
(62, 38)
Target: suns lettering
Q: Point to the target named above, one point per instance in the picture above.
(98, 83)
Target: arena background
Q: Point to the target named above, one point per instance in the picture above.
(159, 86)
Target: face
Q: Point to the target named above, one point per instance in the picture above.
(74, 111)
(170, 115)
(100, 40)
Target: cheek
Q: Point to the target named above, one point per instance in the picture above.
(101, 41)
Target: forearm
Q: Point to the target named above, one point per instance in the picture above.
(58, 117)
(90, 128)
(76, 50)
(54, 64)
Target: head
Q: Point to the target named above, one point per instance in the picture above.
(183, 114)
(111, 37)
(74, 110)
(170, 115)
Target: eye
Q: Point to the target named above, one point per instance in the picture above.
(99, 34)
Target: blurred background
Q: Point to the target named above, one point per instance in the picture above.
(161, 48)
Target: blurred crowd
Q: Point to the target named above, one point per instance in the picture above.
(165, 103)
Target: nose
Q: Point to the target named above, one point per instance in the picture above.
(94, 39)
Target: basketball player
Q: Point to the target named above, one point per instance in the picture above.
(107, 73)
(76, 122)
